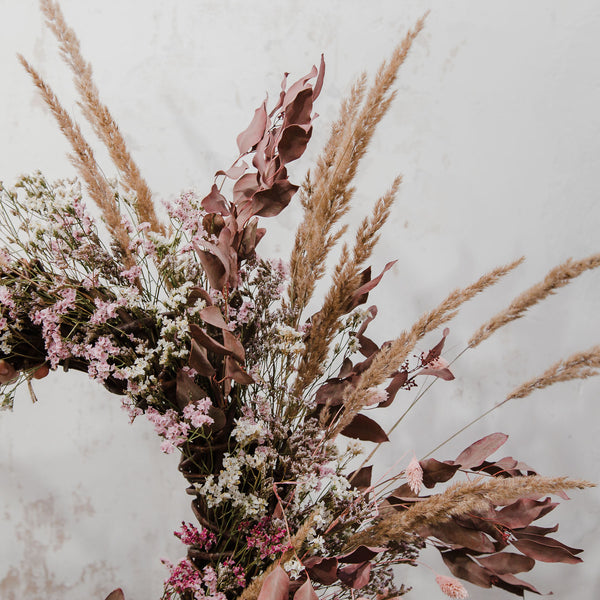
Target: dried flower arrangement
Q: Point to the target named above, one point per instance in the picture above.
(213, 346)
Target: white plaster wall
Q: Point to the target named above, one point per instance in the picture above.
(497, 133)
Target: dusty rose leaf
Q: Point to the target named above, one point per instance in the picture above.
(545, 552)
(293, 143)
(235, 372)
(116, 595)
(199, 360)
(234, 172)
(522, 512)
(435, 471)
(319, 81)
(442, 373)
(362, 554)
(463, 567)
(323, 570)
(297, 87)
(364, 428)
(477, 452)
(276, 585)
(198, 293)
(245, 187)
(255, 131)
(212, 315)
(215, 202)
(507, 562)
(361, 294)
(306, 592)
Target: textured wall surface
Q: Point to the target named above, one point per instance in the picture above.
(497, 133)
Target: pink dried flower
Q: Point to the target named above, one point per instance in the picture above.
(451, 587)
(376, 396)
(414, 475)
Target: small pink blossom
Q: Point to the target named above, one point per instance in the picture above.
(414, 475)
(376, 396)
(197, 413)
(132, 274)
(452, 587)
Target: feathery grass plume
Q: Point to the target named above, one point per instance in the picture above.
(328, 200)
(99, 116)
(346, 280)
(390, 358)
(578, 366)
(253, 590)
(84, 161)
(558, 277)
(460, 499)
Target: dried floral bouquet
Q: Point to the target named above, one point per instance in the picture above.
(212, 344)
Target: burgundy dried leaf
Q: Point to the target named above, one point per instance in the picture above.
(255, 131)
(398, 380)
(356, 575)
(332, 392)
(216, 270)
(215, 202)
(199, 360)
(522, 512)
(364, 428)
(323, 570)
(542, 539)
(477, 452)
(212, 315)
(273, 200)
(436, 351)
(235, 372)
(306, 592)
(345, 369)
(297, 87)
(361, 479)
(203, 339)
(435, 471)
(462, 566)
(187, 390)
(293, 143)
(250, 237)
(116, 595)
(362, 554)
(507, 562)
(275, 586)
(298, 112)
(198, 293)
(452, 533)
(538, 530)
(514, 585)
(544, 551)
(234, 346)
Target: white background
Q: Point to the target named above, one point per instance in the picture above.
(497, 134)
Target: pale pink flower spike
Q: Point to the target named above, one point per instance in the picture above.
(451, 587)
(414, 475)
